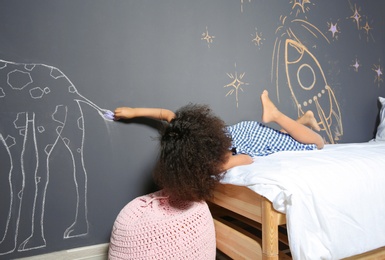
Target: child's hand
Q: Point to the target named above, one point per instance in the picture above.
(124, 113)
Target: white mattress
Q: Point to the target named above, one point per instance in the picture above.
(334, 199)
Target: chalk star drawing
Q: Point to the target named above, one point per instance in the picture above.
(367, 30)
(257, 40)
(304, 74)
(236, 84)
(356, 65)
(49, 113)
(356, 17)
(207, 37)
(367, 27)
(378, 77)
(333, 29)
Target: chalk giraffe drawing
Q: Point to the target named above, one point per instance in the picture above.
(300, 65)
(242, 5)
(38, 126)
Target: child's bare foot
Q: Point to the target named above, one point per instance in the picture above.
(270, 111)
(309, 120)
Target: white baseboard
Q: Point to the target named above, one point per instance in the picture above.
(96, 252)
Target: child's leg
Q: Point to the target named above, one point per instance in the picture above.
(295, 129)
(309, 120)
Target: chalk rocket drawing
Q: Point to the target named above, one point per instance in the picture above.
(304, 75)
(34, 128)
(300, 6)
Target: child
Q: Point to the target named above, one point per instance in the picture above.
(196, 146)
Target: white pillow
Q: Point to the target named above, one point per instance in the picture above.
(380, 136)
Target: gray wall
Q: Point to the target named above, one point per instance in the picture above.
(160, 54)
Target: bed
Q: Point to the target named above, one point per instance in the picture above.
(331, 201)
(323, 204)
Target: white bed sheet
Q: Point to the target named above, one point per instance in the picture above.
(334, 199)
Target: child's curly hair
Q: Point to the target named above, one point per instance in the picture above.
(193, 150)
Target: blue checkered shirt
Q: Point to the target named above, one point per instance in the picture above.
(256, 139)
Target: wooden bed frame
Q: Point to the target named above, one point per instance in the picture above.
(248, 227)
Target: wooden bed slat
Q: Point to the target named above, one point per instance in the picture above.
(250, 205)
(243, 201)
(235, 242)
(223, 213)
(239, 201)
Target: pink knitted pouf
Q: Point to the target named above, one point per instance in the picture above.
(150, 228)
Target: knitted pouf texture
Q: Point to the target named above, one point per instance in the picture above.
(153, 227)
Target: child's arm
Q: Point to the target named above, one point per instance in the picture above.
(156, 113)
(237, 160)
